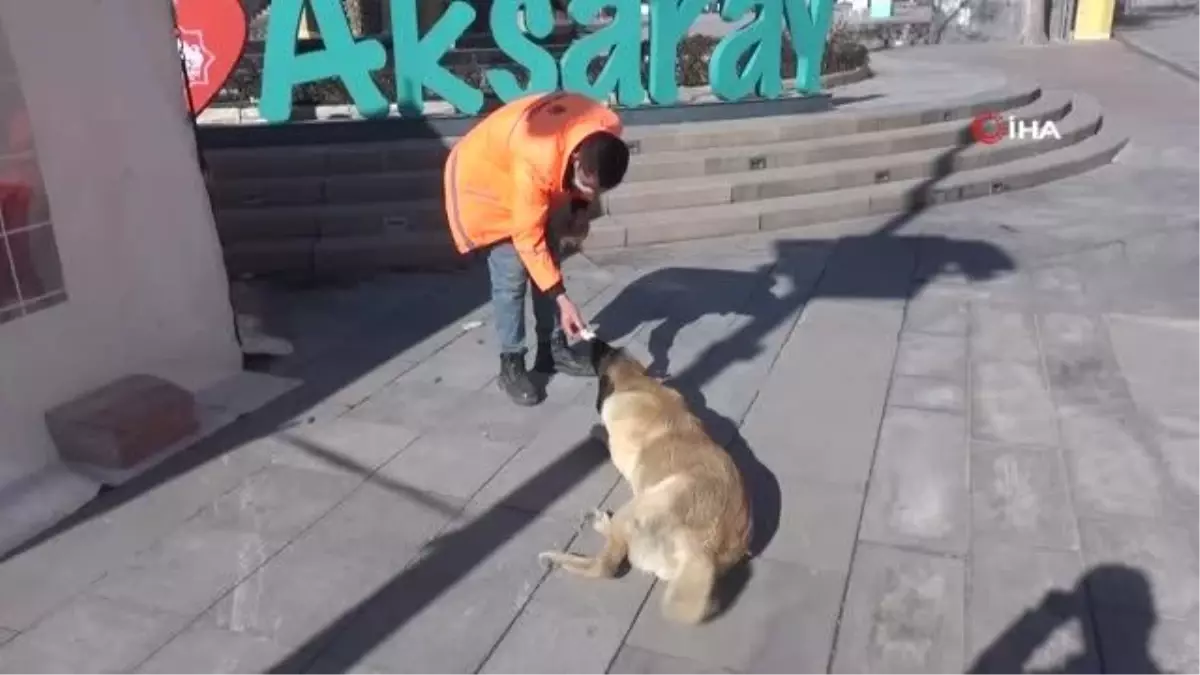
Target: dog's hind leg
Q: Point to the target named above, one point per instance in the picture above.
(688, 598)
(602, 566)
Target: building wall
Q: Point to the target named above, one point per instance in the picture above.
(143, 287)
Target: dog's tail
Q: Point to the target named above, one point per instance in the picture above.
(689, 596)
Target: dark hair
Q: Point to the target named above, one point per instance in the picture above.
(606, 156)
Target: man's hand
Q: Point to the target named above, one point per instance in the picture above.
(568, 315)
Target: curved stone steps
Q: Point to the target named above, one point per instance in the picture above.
(356, 205)
(400, 249)
(1074, 123)
(881, 199)
(353, 217)
(744, 158)
(405, 157)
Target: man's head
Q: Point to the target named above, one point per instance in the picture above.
(600, 162)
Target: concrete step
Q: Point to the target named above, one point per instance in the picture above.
(360, 205)
(274, 163)
(398, 248)
(725, 188)
(888, 198)
(399, 186)
(747, 158)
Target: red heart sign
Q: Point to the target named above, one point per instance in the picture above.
(211, 35)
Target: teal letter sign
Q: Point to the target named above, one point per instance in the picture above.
(745, 62)
(341, 57)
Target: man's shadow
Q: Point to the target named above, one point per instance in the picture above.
(675, 298)
(1124, 587)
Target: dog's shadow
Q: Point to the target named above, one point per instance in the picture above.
(762, 488)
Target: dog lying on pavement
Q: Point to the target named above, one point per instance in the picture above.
(689, 519)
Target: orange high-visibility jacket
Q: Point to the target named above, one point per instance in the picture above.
(505, 176)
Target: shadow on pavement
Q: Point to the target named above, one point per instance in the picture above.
(449, 558)
(1126, 586)
(452, 556)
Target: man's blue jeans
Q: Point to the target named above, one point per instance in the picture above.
(509, 283)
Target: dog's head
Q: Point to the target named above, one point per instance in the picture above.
(615, 368)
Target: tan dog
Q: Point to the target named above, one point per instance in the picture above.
(689, 519)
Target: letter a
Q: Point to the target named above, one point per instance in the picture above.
(762, 39)
(340, 57)
(621, 40)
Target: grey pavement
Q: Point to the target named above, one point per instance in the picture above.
(972, 445)
(1172, 37)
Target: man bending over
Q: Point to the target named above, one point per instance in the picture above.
(503, 180)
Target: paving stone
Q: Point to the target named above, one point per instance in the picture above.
(633, 660)
(903, 613)
(469, 362)
(335, 565)
(454, 463)
(1021, 495)
(201, 649)
(569, 463)
(413, 405)
(918, 495)
(1145, 566)
(1002, 335)
(1112, 471)
(90, 634)
(938, 356)
(1182, 463)
(448, 609)
(190, 569)
(1159, 360)
(494, 416)
(928, 393)
(817, 413)
(379, 375)
(340, 445)
(1138, 643)
(1060, 286)
(1079, 365)
(818, 525)
(245, 392)
(1011, 404)
(572, 624)
(6, 635)
(278, 502)
(938, 312)
(782, 622)
(1027, 611)
(46, 577)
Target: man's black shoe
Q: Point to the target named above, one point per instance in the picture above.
(515, 382)
(559, 357)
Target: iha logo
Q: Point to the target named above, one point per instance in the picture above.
(990, 128)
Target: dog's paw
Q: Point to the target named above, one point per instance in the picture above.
(550, 559)
(598, 520)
